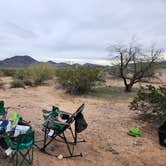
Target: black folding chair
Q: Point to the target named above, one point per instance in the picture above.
(59, 128)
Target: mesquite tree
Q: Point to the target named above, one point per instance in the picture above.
(134, 63)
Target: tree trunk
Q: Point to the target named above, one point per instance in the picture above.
(128, 87)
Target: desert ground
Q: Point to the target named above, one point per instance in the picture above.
(107, 142)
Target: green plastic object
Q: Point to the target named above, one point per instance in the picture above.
(15, 118)
(134, 132)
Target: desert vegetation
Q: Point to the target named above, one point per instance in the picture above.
(91, 81)
(110, 110)
(134, 63)
(150, 101)
(31, 76)
(79, 80)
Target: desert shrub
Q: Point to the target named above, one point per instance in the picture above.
(17, 84)
(9, 72)
(39, 73)
(28, 82)
(21, 74)
(24, 76)
(1, 84)
(1, 74)
(78, 80)
(151, 101)
(35, 74)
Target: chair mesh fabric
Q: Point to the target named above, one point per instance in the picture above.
(22, 141)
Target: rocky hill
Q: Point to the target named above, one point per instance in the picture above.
(17, 61)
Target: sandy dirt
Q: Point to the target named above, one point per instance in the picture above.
(107, 142)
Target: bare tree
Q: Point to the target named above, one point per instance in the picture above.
(134, 63)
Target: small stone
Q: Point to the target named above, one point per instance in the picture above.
(60, 157)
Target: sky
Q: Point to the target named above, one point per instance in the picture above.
(78, 31)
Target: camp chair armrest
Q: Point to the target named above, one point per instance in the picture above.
(46, 112)
(63, 112)
(49, 120)
(59, 122)
(63, 123)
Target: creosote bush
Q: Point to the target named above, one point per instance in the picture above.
(151, 101)
(35, 74)
(17, 84)
(1, 84)
(78, 80)
(40, 73)
(23, 76)
(8, 72)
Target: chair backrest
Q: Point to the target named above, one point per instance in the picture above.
(26, 138)
(60, 127)
(76, 113)
(1, 104)
(22, 141)
(3, 111)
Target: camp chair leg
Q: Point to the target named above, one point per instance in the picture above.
(15, 159)
(64, 140)
(27, 156)
(3, 154)
(12, 159)
(45, 144)
(76, 155)
(36, 144)
(45, 139)
(67, 144)
(32, 154)
(71, 151)
(74, 135)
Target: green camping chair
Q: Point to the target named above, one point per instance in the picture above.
(59, 128)
(3, 110)
(22, 146)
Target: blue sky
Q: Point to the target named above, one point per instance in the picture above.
(78, 30)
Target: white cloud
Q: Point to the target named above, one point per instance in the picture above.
(77, 29)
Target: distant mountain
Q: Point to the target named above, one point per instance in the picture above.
(25, 61)
(17, 61)
(63, 65)
(162, 63)
(92, 65)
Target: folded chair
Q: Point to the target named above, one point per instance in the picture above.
(59, 128)
(3, 110)
(22, 147)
